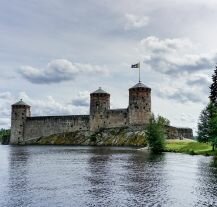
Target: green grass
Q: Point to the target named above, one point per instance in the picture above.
(189, 147)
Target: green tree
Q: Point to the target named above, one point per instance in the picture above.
(212, 125)
(4, 136)
(156, 134)
(203, 124)
(213, 88)
(207, 125)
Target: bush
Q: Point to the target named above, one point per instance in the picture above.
(156, 134)
(5, 136)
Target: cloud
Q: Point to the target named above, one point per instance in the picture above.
(5, 95)
(60, 70)
(135, 22)
(51, 107)
(4, 122)
(174, 56)
(82, 99)
(199, 79)
(6, 99)
(180, 95)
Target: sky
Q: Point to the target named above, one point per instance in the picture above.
(53, 53)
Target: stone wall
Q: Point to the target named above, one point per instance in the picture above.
(179, 133)
(116, 118)
(36, 127)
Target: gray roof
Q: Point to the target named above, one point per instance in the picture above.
(100, 90)
(20, 103)
(140, 85)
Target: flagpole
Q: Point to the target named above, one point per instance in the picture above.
(139, 73)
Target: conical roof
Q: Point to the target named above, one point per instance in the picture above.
(100, 91)
(140, 85)
(20, 103)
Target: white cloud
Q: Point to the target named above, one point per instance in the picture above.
(51, 107)
(60, 70)
(5, 95)
(174, 56)
(82, 99)
(135, 22)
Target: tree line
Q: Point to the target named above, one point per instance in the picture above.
(207, 125)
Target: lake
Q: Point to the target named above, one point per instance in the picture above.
(53, 176)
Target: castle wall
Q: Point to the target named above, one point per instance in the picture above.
(179, 133)
(135, 117)
(36, 127)
(117, 118)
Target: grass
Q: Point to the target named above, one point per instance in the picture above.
(189, 147)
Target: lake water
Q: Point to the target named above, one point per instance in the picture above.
(54, 176)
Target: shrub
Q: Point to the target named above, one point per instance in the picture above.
(156, 134)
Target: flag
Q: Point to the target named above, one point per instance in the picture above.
(137, 65)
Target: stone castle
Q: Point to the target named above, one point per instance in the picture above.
(25, 128)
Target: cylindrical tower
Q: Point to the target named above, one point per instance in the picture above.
(20, 111)
(139, 104)
(99, 105)
(99, 101)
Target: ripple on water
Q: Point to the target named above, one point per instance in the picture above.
(106, 176)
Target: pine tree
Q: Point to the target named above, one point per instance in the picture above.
(213, 88)
(207, 126)
(213, 125)
(203, 125)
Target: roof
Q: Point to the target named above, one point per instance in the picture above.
(140, 85)
(100, 91)
(20, 103)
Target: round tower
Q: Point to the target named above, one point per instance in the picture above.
(20, 111)
(99, 101)
(99, 105)
(139, 104)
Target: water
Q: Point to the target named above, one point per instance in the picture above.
(86, 176)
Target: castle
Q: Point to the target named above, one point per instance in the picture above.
(24, 127)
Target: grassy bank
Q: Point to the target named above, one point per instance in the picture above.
(189, 147)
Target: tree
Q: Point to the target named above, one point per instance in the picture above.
(156, 134)
(213, 88)
(203, 125)
(207, 125)
(4, 136)
(212, 125)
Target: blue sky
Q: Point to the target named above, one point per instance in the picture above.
(54, 53)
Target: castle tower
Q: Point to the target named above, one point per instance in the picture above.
(99, 105)
(139, 104)
(20, 111)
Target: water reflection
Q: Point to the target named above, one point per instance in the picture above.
(145, 178)
(206, 187)
(18, 192)
(89, 176)
(99, 176)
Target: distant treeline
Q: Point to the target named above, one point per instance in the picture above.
(5, 136)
